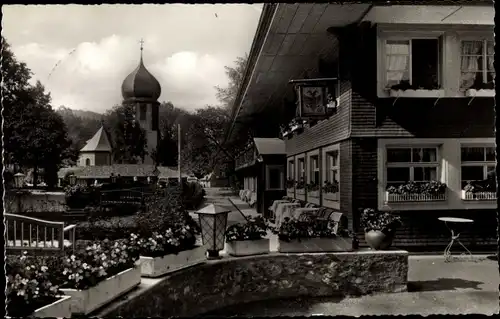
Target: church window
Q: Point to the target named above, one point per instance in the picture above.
(87, 162)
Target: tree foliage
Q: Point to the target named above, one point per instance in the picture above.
(34, 135)
(128, 138)
(227, 95)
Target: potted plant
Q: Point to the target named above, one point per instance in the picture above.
(405, 89)
(300, 187)
(99, 274)
(331, 190)
(312, 189)
(311, 234)
(379, 227)
(480, 190)
(248, 238)
(417, 192)
(30, 290)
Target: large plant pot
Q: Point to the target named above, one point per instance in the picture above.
(60, 308)
(248, 247)
(159, 266)
(377, 240)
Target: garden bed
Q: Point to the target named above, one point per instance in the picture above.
(311, 245)
(158, 266)
(248, 247)
(87, 300)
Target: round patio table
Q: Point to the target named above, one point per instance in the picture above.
(449, 221)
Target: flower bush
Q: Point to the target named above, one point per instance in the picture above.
(309, 227)
(80, 196)
(379, 221)
(300, 184)
(254, 229)
(481, 186)
(290, 183)
(312, 187)
(331, 187)
(429, 188)
(29, 286)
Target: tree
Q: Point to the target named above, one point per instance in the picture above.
(35, 136)
(128, 138)
(227, 95)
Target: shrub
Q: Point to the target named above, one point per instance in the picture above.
(254, 229)
(29, 285)
(112, 228)
(379, 221)
(80, 196)
(192, 195)
(309, 227)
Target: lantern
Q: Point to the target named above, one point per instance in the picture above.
(19, 180)
(72, 179)
(213, 220)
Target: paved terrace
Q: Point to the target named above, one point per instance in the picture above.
(464, 286)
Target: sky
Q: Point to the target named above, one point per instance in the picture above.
(185, 47)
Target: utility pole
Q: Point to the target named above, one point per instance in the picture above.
(179, 152)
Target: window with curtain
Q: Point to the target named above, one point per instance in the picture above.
(477, 69)
(412, 63)
(314, 169)
(478, 164)
(332, 170)
(417, 164)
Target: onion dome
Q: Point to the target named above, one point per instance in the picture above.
(141, 85)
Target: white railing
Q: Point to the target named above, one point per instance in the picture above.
(28, 233)
(479, 195)
(401, 198)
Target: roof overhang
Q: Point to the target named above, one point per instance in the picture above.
(291, 38)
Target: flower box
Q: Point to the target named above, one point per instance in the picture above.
(480, 93)
(314, 194)
(416, 93)
(315, 245)
(331, 196)
(290, 191)
(301, 191)
(59, 309)
(248, 247)
(401, 198)
(479, 195)
(88, 300)
(158, 266)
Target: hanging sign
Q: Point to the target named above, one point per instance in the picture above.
(316, 98)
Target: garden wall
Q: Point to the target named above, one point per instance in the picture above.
(35, 201)
(230, 281)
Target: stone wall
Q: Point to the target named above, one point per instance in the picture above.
(230, 281)
(35, 201)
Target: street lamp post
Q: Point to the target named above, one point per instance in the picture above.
(213, 221)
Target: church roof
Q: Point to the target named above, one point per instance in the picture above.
(141, 85)
(98, 143)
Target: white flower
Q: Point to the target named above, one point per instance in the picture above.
(44, 268)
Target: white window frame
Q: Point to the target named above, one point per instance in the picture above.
(484, 163)
(442, 174)
(282, 177)
(385, 36)
(412, 165)
(485, 37)
(331, 169)
(314, 167)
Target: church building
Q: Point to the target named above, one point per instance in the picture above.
(95, 164)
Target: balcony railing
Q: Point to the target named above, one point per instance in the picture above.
(402, 198)
(479, 195)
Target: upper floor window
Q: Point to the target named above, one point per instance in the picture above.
(477, 69)
(417, 164)
(332, 166)
(478, 164)
(412, 64)
(315, 169)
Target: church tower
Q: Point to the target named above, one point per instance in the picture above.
(141, 89)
